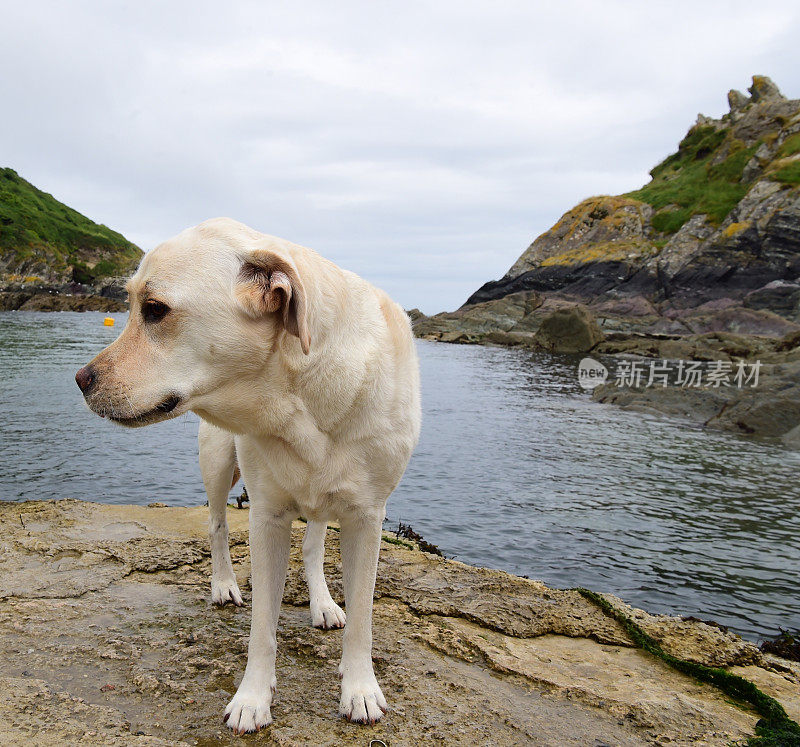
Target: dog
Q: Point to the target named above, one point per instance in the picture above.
(315, 373)
(220, 472)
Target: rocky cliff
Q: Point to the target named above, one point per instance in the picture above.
(54, 258)
(711, 244)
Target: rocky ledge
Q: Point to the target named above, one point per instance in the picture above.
(770, 409)
(35, 295)
(108, 638)
(767, 407)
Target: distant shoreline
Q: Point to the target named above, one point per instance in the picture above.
(771, 408)
(70, 297)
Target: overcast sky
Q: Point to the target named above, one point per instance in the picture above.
(422, 145)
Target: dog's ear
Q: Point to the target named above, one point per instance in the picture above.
(268, 284)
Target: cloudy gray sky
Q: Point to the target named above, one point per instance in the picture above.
(422, 145)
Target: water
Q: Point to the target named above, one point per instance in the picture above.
(517, 469)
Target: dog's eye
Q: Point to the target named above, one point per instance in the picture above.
(154, 311)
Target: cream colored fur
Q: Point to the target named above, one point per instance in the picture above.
(315, 373)
(220, 472)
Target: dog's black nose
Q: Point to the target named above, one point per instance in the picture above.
(85, 378)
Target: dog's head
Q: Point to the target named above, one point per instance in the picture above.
(207, 308)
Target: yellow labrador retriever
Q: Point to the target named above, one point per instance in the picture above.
(315, 372)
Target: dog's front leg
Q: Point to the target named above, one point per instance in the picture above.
(270, 535)
(325, 613)
(360, 537)
(218, 467)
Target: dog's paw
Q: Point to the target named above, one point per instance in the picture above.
(327, 615)
(362, 700)
(249, 710)
(224, 591)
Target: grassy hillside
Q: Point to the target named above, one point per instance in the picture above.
(707, 175)
(704, 176)
(42, 236)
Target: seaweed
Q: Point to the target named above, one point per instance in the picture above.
(407, 531)
(785, 645)
(774, 729)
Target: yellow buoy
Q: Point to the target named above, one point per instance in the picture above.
(108, 321)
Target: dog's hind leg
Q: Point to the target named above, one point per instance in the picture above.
(220, 473)
(360, 538)
(325, 613)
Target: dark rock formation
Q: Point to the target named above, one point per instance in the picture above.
(58, 302)
(772, 408)
(34, 296)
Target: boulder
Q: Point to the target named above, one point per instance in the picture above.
(792, 438)
(763, 89)
(789, 342)
(771, 408)
(779, 296)
(739, 320)
(737, 100)
(569, 330)
(695, 405)
(12, 300)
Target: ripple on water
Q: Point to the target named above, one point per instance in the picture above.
(516, 469)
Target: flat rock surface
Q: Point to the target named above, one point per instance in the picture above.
(108, 637)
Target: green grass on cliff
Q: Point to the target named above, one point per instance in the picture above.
(790, 146)
(687, 183)
(788, 174)
(35, 224)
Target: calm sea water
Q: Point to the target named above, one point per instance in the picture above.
(516, 469)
